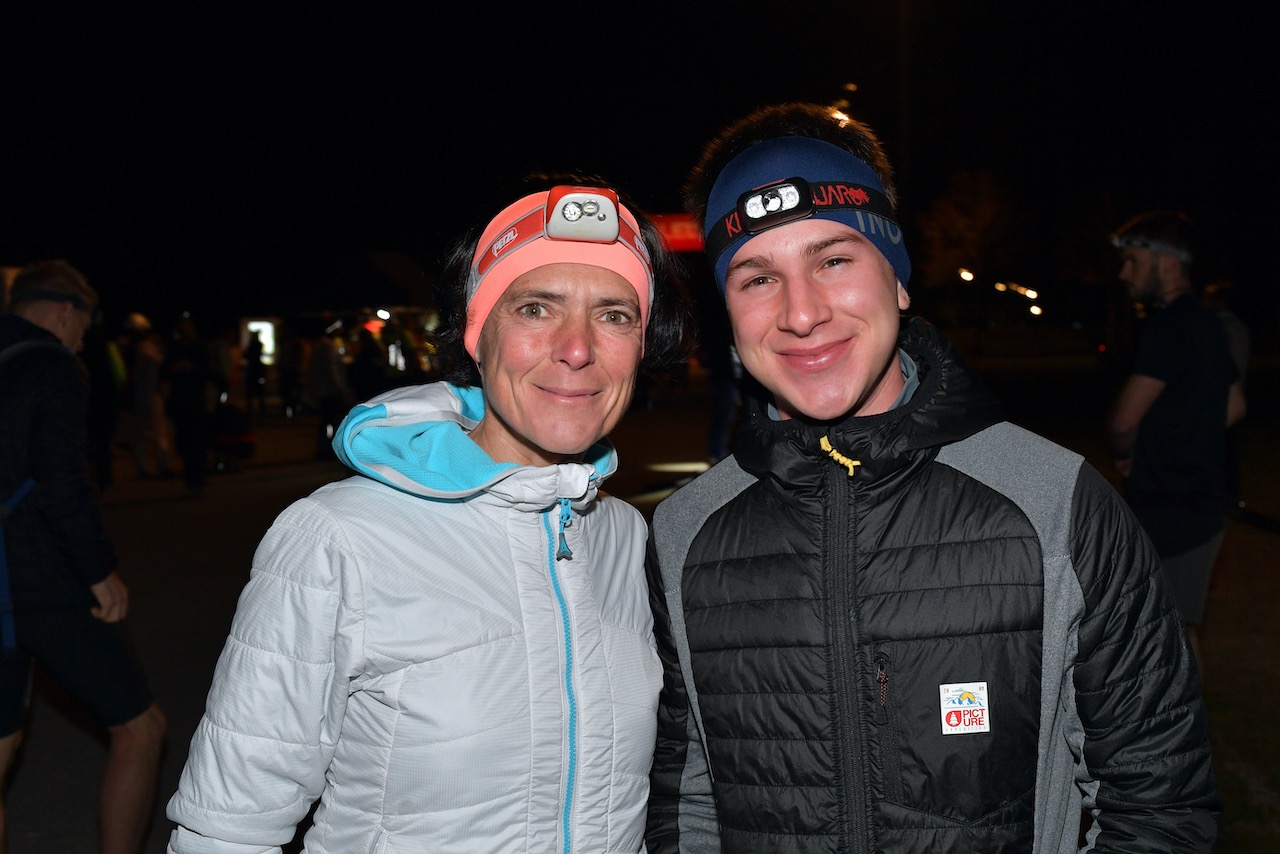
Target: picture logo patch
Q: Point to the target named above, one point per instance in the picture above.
(964, 708)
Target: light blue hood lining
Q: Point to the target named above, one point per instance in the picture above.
(415, 439)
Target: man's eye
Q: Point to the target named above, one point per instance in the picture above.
(533, 309)
(618, 316)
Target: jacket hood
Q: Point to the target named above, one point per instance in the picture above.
(416, 440)
(950, 404)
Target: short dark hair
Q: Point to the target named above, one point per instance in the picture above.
(668, 338)
(778, 120)
(55, 281)
(1163, 232)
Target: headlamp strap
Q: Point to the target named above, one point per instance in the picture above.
(532, 225)
(528, 227)
(813, 198)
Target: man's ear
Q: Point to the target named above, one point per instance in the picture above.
(904, 298)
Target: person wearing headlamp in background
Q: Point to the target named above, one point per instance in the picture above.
(892, 620)
(1169, 421)
(452, 651)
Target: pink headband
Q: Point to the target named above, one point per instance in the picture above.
(575, 225)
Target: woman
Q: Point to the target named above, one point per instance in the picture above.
(453, 650)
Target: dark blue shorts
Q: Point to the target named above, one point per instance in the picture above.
(91, 660)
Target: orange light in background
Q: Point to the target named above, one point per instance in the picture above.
(679, 232)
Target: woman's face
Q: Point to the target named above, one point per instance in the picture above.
(558, 357)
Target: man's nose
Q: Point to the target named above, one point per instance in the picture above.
(803, 307)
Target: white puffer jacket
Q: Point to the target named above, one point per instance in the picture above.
(410, 651)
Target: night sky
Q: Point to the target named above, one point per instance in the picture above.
(229, 160)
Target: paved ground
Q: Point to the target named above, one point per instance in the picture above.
(186, 560)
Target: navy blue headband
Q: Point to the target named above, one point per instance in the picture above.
(794, 177)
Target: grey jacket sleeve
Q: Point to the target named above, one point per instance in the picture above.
(682, 807)
(682, 812)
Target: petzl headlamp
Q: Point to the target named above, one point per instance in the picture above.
(582, 214)
(566, 224)
(789, 200)
(751, 195)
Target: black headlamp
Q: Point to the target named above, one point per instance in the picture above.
(775, 204)
(794, 199)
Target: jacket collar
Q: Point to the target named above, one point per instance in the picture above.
(949, 405)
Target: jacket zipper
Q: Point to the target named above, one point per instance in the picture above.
(841, 553)
(570, 692)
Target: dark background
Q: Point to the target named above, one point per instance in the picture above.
(236, 159)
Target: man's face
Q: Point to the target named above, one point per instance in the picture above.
(814, 308)
(558, 357)
(70, 324)
(1140, 271)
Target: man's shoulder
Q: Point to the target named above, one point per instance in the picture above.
(1012, 436)
(1186, 311)
(690, 505)
(1010, 455)
(40, 359)
(19, 336)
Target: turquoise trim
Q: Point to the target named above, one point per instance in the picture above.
(438, 455)
(571, 696)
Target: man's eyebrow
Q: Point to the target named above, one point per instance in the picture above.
(820, 246)
(743, 263)
(815, 248)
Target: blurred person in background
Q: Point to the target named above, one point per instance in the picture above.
(149, 427)
(107, 382)
(453, 650)
(290, 357)
(65, 599)
(327, 390)
(367, 374)
(1168, 425)
(191, 382)
(891, 620)
(255, 377)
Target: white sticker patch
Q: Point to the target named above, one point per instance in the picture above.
(964, 708)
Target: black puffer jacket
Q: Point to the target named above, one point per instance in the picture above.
(907, 654)
(54, 539)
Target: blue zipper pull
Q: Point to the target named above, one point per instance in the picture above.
(566, 519)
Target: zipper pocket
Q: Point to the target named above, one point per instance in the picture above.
(887, 731)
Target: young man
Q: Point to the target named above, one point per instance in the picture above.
(62, 585)
(1168, 431)
(894, 621)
